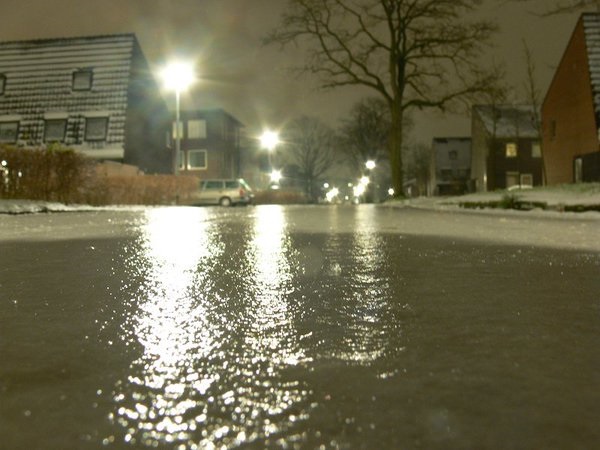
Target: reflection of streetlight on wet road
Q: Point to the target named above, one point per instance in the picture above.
(177, 76)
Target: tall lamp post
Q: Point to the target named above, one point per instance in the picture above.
(177, 76)
(269, 140)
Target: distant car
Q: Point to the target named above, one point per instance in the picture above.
(224, 192)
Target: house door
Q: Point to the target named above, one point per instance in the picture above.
(512, 179)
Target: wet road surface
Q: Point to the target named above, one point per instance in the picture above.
(297, 327)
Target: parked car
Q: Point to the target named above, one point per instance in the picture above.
(224, 192)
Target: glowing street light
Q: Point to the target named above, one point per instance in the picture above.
(370, 164)
(269, 140)
(177, 76)
(364, 181)
(276, 176)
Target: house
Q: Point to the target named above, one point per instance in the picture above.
(571, 109)
(450, 169)
(210, 144)
(94, 94)
(505, 148)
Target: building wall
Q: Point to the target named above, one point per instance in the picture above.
(221, 143)
(452, 159)
(524, 164)
(148, 120)
(569, 124)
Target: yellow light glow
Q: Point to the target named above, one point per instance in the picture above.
(178, 76)
(269, 140)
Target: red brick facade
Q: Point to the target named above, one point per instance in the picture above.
(568, 114)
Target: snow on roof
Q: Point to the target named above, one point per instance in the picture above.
(39, 78)
(508, 121)
(591, 26)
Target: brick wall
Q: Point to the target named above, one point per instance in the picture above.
(569, 124)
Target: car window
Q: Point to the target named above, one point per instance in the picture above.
(231, 184)
(213, 185)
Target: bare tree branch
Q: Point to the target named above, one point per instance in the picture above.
(413, 53)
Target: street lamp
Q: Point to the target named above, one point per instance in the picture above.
(269, 140)
(177, 76)
(370, 164)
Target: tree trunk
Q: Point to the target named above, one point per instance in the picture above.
(395, 150)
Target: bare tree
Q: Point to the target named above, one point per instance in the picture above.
(311, 146)
(534, 98)
(364, 134)
(413, 53)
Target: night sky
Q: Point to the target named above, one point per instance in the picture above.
(249, 80)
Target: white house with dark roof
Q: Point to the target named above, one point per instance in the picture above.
(571, 109)
(94, 94)
(505, 147)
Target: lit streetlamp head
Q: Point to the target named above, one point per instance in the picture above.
(178, 76)
(269, 140)
(370, 164)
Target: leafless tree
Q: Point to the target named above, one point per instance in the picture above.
(413, 53)
(364, 133)
(534, 98)
(311, 146)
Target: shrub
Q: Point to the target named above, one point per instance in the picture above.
(52, 173)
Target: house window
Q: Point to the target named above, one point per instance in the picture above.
(526, 179)
(175, 134)
(536, 150)
(552, 129)
(511, 150)
(54, 130)
(2, 83)
(453, 154)
(9, 131)
(196, 129)
(96, 128)
(196, 159)
(82, 80)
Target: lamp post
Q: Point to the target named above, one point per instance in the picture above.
(269, 140)
(372, 194)
(177, 76)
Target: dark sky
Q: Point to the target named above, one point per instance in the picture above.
(252, 81)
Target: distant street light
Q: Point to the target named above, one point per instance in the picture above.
(276, 176)
(370, 164)
(177, 76)
(269, 140)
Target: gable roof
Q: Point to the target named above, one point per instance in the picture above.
(38, 77)
(508, 121)
(591, 27)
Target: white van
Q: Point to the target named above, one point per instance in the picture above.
(224, 192)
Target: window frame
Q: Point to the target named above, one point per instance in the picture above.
(189, 164)
(202, 129)
(10, 122)
(64, 130)
(2, 83)
(537, 154)
(509, 154)
(86, 136)
(80, 72)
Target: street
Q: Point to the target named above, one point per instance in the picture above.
(299, 327)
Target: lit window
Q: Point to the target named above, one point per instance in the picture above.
(82, 80)
(196, 129)
(197, 159)
(511, 150)
(536, 150)
(96, 128)
(54, 130)
(175, 135)
(2, 83)
(9, 131)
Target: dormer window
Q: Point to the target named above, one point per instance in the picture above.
(82, 80)
(2, 83)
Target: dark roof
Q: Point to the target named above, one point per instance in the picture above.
(591, 27)
(508, 121)
(39, 73)
(211, 111)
